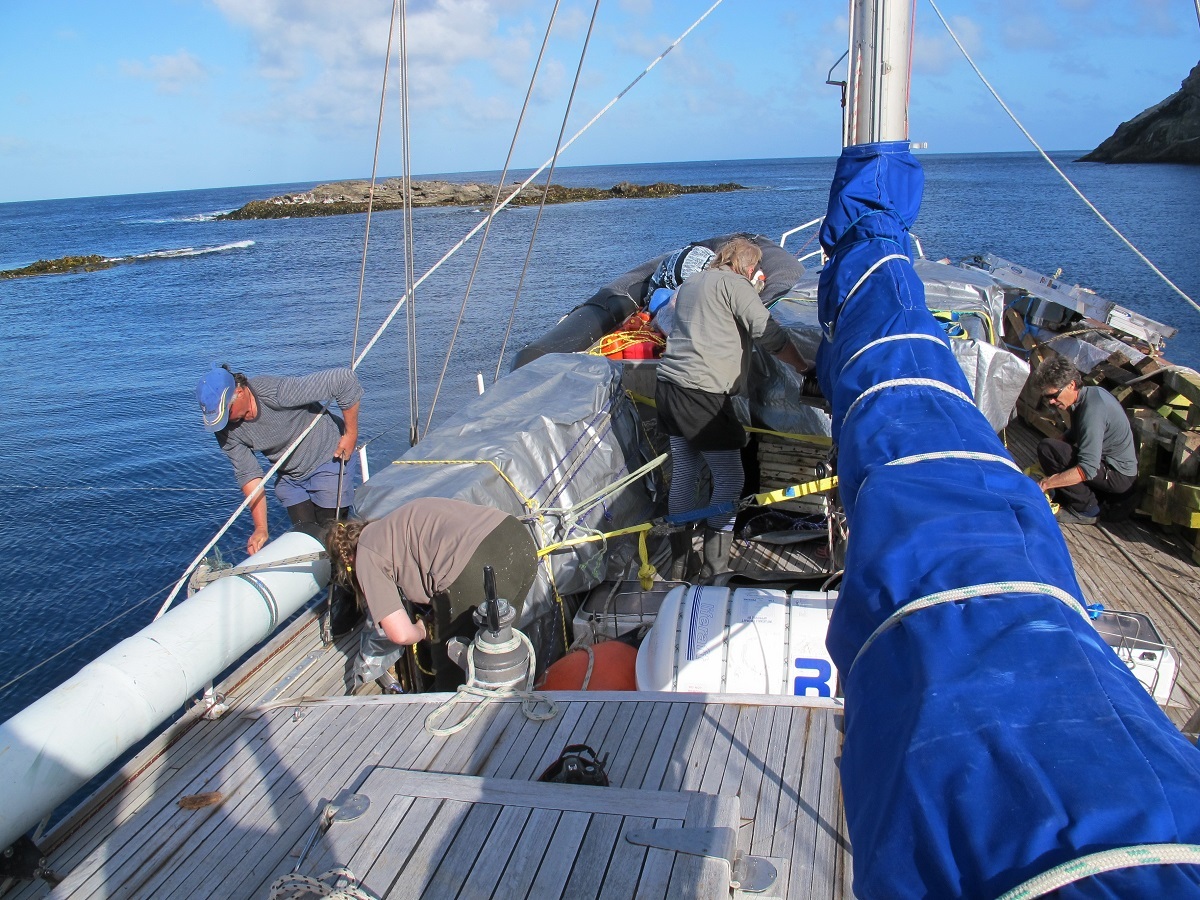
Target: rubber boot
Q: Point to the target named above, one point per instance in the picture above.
(684, 565)
(717, 545)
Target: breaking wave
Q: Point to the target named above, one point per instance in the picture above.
(184, 251)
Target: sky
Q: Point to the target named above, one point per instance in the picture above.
(134, 96)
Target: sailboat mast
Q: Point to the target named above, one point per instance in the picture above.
(880, 69)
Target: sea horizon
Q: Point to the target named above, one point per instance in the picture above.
(519, 174)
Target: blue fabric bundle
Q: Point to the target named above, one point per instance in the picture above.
(991, 738)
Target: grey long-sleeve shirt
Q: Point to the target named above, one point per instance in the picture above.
(285, 407)
(717, 313)
(1100, 431)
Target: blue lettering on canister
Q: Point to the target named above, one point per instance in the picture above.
(821, 681)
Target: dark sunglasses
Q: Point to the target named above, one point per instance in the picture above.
(1052, 395)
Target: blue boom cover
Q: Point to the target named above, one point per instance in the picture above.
(992, 738)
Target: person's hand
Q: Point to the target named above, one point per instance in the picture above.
(345, 448)
(257, 541)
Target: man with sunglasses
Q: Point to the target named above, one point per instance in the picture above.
(1096, 461)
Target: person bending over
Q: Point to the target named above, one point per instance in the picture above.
(1095, 461)
(423, 562)
(717, 314)
(265, 415)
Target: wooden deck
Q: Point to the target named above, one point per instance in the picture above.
(272, 772)
(1134, 566)
(272, 764)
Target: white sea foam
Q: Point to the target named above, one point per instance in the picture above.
(189, 251)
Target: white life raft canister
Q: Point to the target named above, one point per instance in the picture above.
(740, 641)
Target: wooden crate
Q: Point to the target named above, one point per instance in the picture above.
(783, 462)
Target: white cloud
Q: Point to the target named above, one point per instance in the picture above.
(168, 74)
(324, 61)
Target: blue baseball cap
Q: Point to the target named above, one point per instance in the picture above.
(215, 393)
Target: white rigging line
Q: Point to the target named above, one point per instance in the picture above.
(512, 315)
(362, 272)
(537, 66)
(408, 293)
(524, 184)
(1142, 256)
(409, 263)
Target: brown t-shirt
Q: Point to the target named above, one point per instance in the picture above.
(419, 549)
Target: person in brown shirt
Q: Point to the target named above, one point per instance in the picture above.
(423, 562)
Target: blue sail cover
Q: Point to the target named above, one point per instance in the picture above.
(989, 739)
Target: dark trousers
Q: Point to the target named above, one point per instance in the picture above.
(1108, 485)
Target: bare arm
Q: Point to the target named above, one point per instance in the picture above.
(1073, 475)
(349, 440)
(790, 355)
(400, 629)
(258, 512)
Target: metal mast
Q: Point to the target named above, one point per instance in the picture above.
(880, 69)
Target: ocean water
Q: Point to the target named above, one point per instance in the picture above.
(112, 486)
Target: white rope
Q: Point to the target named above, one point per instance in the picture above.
(338, 884)
(861, 280)
(1113, 228)
(529, 699)
(905, 382)
(528, 181)
(584, 505)
(955, 454)
(967, 593)
(893, 337)
(1104, 861)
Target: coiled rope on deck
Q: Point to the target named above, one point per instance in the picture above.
(486, 695)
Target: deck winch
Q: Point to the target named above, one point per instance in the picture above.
(499, 657)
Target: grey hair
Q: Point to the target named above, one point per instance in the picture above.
(1057, 372)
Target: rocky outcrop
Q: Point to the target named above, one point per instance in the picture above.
(341, 197)
(1166, 133)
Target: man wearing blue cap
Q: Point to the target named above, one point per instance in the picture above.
(266, 414)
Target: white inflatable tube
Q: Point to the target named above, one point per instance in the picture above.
(56, 745)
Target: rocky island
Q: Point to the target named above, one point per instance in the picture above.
(1168, 132)
(342, 197)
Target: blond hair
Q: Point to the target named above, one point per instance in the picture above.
(737, 254)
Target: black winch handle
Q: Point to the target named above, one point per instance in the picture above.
(491, 604)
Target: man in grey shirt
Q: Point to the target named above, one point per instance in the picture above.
(266, 414)
(1095, 461)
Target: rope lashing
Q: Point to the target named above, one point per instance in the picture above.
(646, 570)
(972, 592)
(671, 523)
(1104, 861)
(206, 578)
(485, 695)
(911, 336)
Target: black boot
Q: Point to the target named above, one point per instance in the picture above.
(717, 545)
(684, 564)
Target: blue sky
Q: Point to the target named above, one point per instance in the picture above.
(132, 96)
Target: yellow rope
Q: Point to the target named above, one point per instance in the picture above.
(819, 486)
(823, 439)
(646, 571)
(417, 660)
(562, 606)
(529, 504)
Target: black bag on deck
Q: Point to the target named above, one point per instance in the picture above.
(577, 764)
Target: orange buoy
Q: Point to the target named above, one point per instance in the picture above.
(613, 669)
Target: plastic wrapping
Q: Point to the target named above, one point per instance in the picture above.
(556, 431)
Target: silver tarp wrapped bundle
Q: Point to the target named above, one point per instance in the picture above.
(968, 303)
(543, 438)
